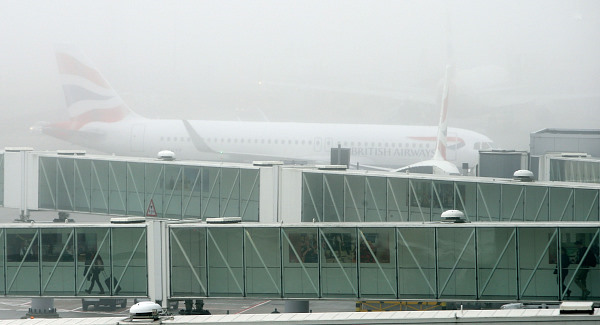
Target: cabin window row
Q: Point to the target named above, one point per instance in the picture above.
(300, 142)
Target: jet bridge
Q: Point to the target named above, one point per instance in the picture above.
(407, 261)
(305, 233)
(62, 260)
(182, 190)
(529, 262)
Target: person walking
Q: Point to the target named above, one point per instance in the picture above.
(586, 262)
(96, 268)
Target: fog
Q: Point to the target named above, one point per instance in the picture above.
(518, 66)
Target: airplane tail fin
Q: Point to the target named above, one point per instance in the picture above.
(438, 164)
(88, 96)
(442, 136)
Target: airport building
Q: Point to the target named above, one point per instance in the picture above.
(565, 155)
(565, 140)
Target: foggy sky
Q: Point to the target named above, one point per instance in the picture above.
(519, 66)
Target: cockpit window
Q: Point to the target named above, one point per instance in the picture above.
(483, 146)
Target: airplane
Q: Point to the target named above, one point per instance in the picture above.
(99, 119)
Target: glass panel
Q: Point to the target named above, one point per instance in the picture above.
(377, 262)
(497, 263)
(513, 197)
(333, 198)
(397, 197)
(117, 186)
(99, 195)
(230, 192)
(338, 262)
(191, 192)
(312, 197)
(211, 177)
(2, 180)
(263, 262)
(556, 170)
(578, 264)
(65, 184)
(575, 171)
(561, 204)
(249, 192)
(465, 199)
(354, 198)
(225, 262)
(135, 189)
(416, 263)
(586, 205)
(443, 198)
(58, 262)
(22, 262)
(537, 261)
(83, 174)
(93, 260)
(420, 200)
(300, 262)
(153, 184)
(376, 204)
(456, 262)
(47, 185)
(188, 262)
(536, 203)
(2, 259)
(129, 270)
(173, 190)
(488, 202)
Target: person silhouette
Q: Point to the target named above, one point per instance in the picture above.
(586, 261)
(94, 273)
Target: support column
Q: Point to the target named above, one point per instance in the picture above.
(16, 178)
(296, 306)
(42, 308)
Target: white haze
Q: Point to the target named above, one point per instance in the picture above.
(519, 65)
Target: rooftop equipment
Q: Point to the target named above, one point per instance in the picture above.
(523, 175)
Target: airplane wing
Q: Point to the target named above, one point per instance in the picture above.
(197, 140)
(251, 157)
(201, 146)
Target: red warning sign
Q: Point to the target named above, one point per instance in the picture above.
(151, 212)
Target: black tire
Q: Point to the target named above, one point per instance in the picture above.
(84, 306)
(124, 304)
(113, 305)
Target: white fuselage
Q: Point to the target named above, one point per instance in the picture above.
(100, 119)
(386, 146)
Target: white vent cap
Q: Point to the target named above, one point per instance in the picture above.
(145, 308)
(453, 216)
(523, 175)
(166, 155)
